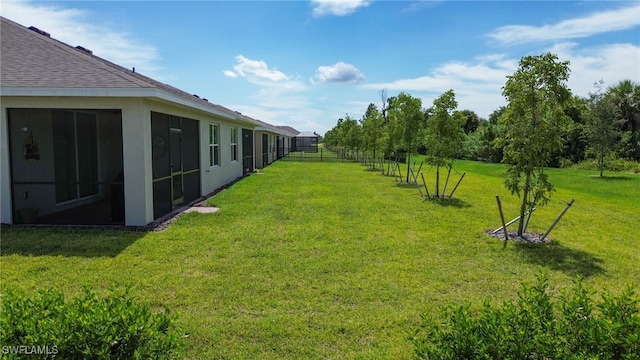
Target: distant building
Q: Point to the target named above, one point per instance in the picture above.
(306, 142)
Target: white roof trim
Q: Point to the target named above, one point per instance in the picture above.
(279, 132)
(120, 92)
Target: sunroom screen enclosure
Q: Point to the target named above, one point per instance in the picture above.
(247, 151)
(176, 162)
(66, 166)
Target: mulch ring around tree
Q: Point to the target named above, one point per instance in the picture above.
(526, 238)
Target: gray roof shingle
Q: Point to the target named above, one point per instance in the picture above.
(30, 59)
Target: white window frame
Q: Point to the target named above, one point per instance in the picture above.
(234, 144)
(214, 145)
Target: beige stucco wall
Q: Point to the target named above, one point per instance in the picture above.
(136, 146)
(272, 148)
(211, 178)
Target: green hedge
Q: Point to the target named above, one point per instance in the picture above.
(611, 163)
(86, 327)
(536, 326)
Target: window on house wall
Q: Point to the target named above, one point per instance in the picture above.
(214, 144)
(234, 144)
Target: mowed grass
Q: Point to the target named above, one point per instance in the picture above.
(333, 260)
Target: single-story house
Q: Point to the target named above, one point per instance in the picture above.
(285, 142)
(86, 141)
(272, 143)
(305, 142)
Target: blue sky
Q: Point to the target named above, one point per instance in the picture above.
(308, 63)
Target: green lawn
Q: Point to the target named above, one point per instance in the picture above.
(332, 260)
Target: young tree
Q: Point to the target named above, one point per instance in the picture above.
(407, 111)
(372, 129)
(392, 131)
(331, 136)
(536, 95)
(444, 133)
(602, 125)
(351, 134)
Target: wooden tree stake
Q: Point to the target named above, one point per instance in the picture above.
(504, 226)
(455, 187)
(557, 219)
(425, 185)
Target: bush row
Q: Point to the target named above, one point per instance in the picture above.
(536, 326)
(86, 327)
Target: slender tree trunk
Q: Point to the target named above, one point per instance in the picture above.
(523, 205)
(375, 159)
(527, 182)
(601, 162)
(408, 159)
(437, 181)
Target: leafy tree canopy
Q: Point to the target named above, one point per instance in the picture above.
(444, 132)
(537, 95)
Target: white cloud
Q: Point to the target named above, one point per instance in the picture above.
(485, 72)
(74, 27)
(229, 73)
(478, 84)
(337, 7)
(419, 5)
(258, 72)
(602, 22)
(300, 118)
(339, 73)
(255, 69)
(276, 100)
(611, 63)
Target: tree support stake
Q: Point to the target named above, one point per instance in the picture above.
(455, 187)
(504, 226)
(415, 179)
(425, 185)
(444, 189)
(557, 219)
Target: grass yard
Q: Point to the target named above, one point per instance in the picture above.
(332, 260)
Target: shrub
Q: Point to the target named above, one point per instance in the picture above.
(87, 327)
(536, 326)
(611, 163)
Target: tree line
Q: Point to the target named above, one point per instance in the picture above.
(601, 127)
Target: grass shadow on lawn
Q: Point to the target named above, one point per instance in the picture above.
(557, 257)
(405, 185)
(66, 242)
(454, 202)
(611, 177)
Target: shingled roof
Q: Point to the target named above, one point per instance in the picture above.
(32, 60)
(291, 131)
